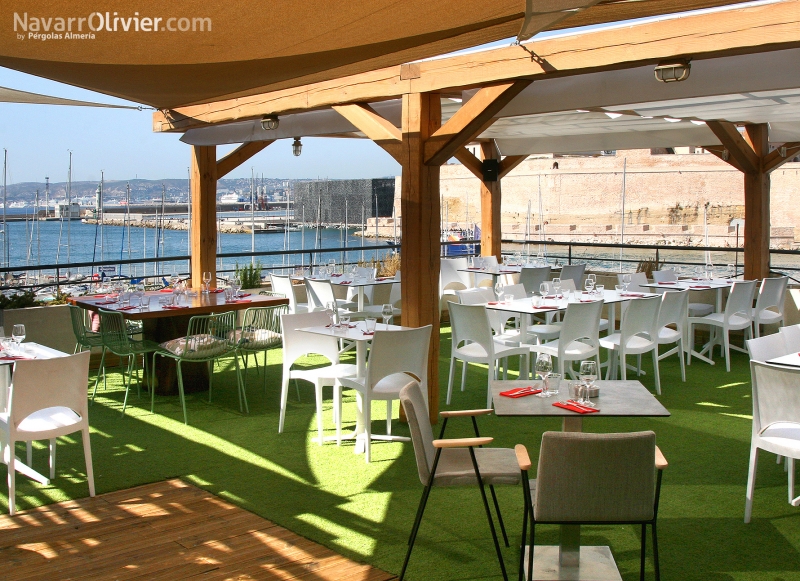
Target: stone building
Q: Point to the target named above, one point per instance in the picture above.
(341, 201)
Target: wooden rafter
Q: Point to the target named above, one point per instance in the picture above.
(472, 119)
(747, 30)
(469, 161)
(240, 155)
(774, 159)
(373, 126)
(740, 152)
(508, 163)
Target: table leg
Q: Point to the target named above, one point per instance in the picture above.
(360, 300)
(569, 549)
(612, 317)
(361, 373)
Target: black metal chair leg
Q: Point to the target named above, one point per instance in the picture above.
(642, 556)
(488, 514)
(499, 516)
(655, 553)
(530, 549)
(522, 543)
(420, 511)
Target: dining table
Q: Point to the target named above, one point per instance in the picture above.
(628, 399)
(348, 280)
(163, 322)
(356, 333)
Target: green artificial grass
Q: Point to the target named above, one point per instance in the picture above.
(330, 495)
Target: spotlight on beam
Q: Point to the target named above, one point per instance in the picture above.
(672, 71)
(269, 122)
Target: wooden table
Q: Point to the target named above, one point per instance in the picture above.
(629, 398)
(161, 324)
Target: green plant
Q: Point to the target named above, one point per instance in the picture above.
(386, 267)
(250, 274)
(19, 300)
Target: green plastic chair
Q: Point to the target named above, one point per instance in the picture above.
(114, 334)
(209, 338)
(261, 331)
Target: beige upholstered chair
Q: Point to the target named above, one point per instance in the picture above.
(587, 478)
(455, 462)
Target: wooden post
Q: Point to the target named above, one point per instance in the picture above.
(756, 207)
(204, 213)
(421, 235)
(490, 206)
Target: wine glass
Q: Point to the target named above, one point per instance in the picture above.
(18, 334)
(206, 282)
(709, 271)
(387, 311)
(731, 271)
(588, 375)
(557, 287)
(544, 367)
(588, 285)
(593, 278)
(236, 285)
(344, 321)
(544, 289)
(626, 281)
(499, 291)
(330, 309)
(698, 272)
(331, 266)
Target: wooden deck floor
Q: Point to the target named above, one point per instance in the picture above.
(164, 531)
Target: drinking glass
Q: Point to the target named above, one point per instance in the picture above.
(332, 266)
(544, 366)
(588, 375)
(228, 293)
(588, 285)
(731, 271)
(236, 285)
(330, 309)
(18, 334)
(145, 303)
(698, 272)
(544, 289)
(499, 291)
(344, 321)
(626, 281)
(593, 278)
(557, 287)
(599, 289)
(206, 282)
(370, 325)
(619, 288)
(553, 383)
(387, 312)
(709, 271)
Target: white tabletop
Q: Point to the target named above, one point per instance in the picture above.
(32, 350)
(494, 271)
(526, 305)
(346, 280)
(691, 284)
(356, 332)
(790, 360)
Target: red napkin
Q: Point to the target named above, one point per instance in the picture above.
(335, 275)
(575, 407)
(639, 295)
(174, 307)
(98, 297)
(699, 286)
(217, 290)
(587, 300)
(13, 358)
(493, 303)
(474, 268)
(236, 301)
(508, 272)
(241, 295)
(345, 282)
(549, 308)
(368, 332)
(551, 297)
(521, 391)
(105, 302)
(384, 278)
(165, 290)
(668, 282)
(128, 308)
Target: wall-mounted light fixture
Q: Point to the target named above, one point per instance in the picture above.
(725, 155)
(672, 71)
(269, 122)
(297, 147)
(782, 151)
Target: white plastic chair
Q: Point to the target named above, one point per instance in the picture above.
(674, 312)
(695, 309)
(791, 335)
(297, 344)
(767, 347)
(320, 293)
(497, 319)
(573, 272)
(395, 358)
(637, 280)
(738, 315)
(450, 277)
(472, 342)
(579, 338)
(531, 278)
(47, 399)
(638, 334)
(284, 286)
(363, 272)
(776, 423)
(769, 303)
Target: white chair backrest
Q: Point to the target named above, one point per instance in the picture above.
(471, 323)
(776, 397)
(568, 285)
(666, 275)
(573, 272)
(365, 271)
(637, 279)
(640, 318)
(395, 296)
(740, 301)
(296, 343)
(489, 261)
(767, 347)
(674, 309)
(771, 293)
(450, 275)
(44, 383)
(397, 276)
(414, 404)
(515, 291)
(284, 286)
(404, 351)
(531, 278)
(475, 296)
(581, 322)
(791, 335)
(320, 293)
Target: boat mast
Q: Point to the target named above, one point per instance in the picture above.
(101, 215)
(5, 201)
(252, 216)
(128, 221)
(69, 211)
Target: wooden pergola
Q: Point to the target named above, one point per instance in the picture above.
(423, 141)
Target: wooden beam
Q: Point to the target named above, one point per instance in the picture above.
(421, 243)
(469, 161)
(756, 207)
(240, 155)
(508, 163)
(490, 206)
(746, 30)
(204, 213)
(775, 160)
(373, 126)
(738, 149)
(472, 119)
